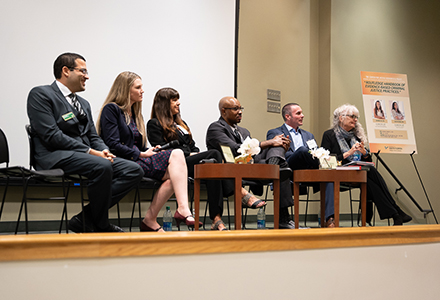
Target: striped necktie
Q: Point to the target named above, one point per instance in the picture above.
(76, 104)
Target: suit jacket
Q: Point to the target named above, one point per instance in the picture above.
(220, 133)
(283, 130)
(117, 134)
(58, 138)
(156, 136)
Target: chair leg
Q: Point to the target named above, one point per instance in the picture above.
(23, 203)
(243, 218)
(307, 208)
(140, 206)
(374, 215)
(64, 215)
(191, 198)
(204, 216)
(4, 196)
(229, 213)
(119, 214)
(351, 207)
(81, 187)
(19, 216)
(136, 196)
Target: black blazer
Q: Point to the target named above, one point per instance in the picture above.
(59, 133)
(330, 143)
(220, 133)
(117, 134)
(156, 136)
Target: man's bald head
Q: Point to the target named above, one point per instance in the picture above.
(230, 110)
(227, 101)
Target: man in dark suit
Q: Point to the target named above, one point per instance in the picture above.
(225, 131)
(66, 138)
(298, 156)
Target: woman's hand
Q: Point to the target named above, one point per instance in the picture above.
(150, 152)
(356, 147)
(361, 148)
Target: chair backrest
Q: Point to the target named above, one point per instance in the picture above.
(4, 149)
(30, 134)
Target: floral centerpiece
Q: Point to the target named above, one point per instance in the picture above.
(323, 155)
(247, 149)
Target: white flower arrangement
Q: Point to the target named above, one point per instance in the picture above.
(323, 155)
(247, 149)
(250, 147)
(320, 153)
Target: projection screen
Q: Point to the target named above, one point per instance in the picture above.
(188, 45)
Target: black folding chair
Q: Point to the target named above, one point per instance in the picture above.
(55, 176)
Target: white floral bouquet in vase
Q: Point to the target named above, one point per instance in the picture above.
(324, 157)
(247, 149)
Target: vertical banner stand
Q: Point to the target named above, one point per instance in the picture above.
(401, 187)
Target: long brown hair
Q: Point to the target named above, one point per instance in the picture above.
(161, 110)
(120, 95)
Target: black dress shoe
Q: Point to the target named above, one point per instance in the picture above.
(397, 220)
(110, 228)
(287, 224)
(76, 225)
(405, 217)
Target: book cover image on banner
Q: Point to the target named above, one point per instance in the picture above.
(388, 113)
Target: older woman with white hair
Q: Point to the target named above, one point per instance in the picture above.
(346, 139)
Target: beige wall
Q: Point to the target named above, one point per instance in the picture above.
(274, 53)
(313, 51)
(393, 36)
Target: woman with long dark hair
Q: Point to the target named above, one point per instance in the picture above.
(166, 125)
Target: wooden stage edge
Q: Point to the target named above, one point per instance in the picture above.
(61, 246)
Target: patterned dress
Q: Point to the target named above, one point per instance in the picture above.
(154, 166)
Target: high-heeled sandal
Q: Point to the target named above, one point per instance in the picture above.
(179, 218)
(245, 199)
(145, 227)
(217, 224)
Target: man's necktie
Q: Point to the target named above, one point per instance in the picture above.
(237, 136)
(76, 104)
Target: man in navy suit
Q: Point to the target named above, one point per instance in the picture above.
(66, 138)
(298, 156)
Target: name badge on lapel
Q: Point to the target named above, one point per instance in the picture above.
(68, 116)
(312, 144)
